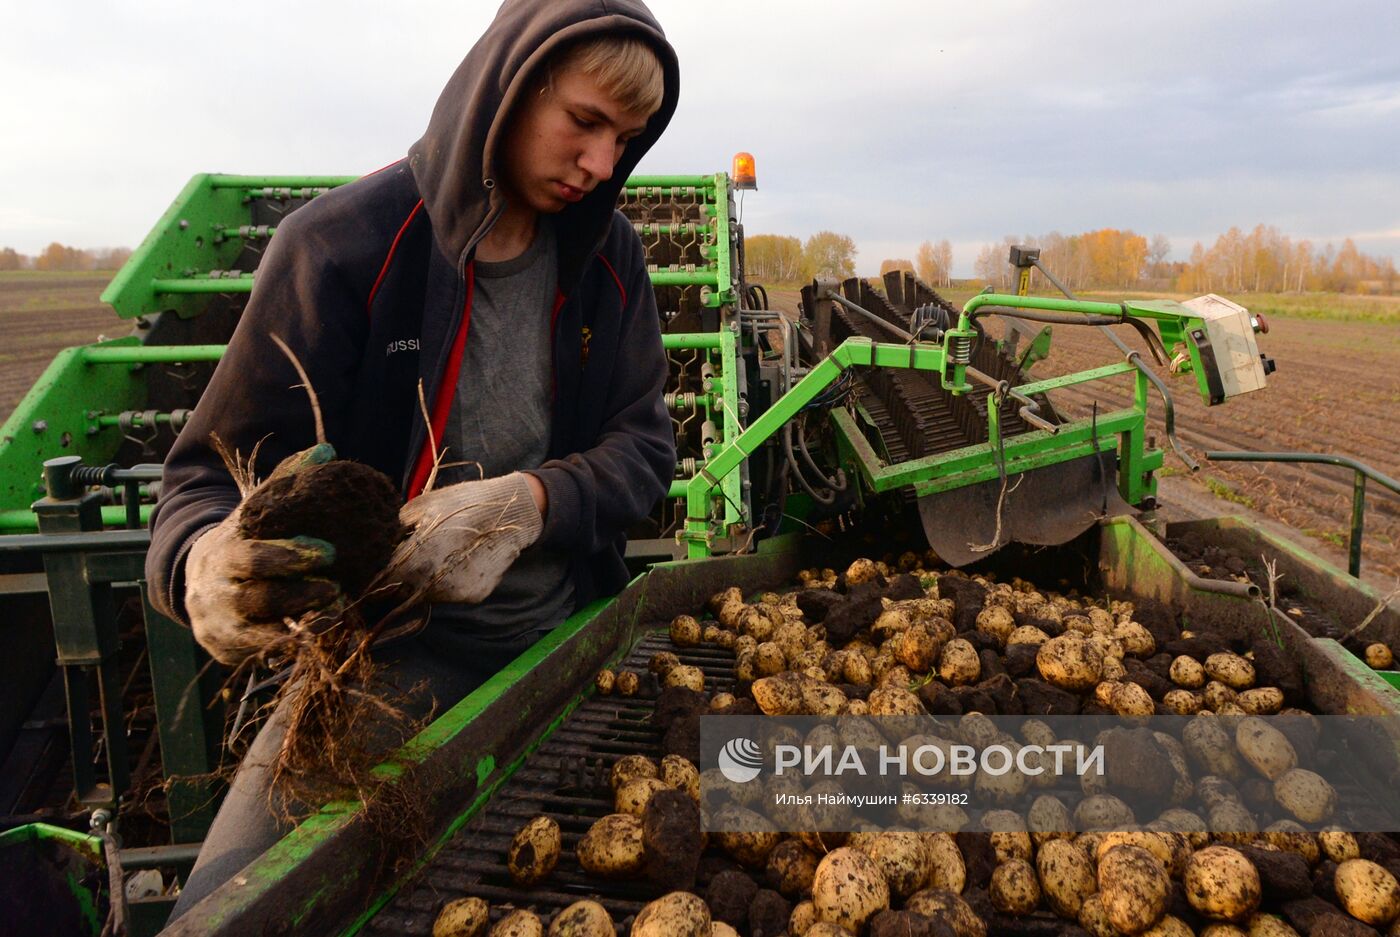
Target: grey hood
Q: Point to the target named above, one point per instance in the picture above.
(453, 163)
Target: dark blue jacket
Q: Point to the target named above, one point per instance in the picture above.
(370, 286)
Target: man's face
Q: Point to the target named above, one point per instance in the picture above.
(566, 141)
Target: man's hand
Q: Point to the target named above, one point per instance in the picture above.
(238, 591)
(465, 536)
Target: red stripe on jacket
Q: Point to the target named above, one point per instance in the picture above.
(442, 403)
(616, 279)
(389, 258)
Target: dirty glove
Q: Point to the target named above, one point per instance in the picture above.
(464, 538)
(239, 591)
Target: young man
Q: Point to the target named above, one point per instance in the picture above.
(490, 273)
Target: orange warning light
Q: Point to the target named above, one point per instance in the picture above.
(744, 175)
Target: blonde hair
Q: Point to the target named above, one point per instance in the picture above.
(624, 66)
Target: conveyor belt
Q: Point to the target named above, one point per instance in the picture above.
(566, 778)
(914, 415)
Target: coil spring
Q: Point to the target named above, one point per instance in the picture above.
(91, 474)
(960, 349)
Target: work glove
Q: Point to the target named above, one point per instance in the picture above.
(464, 537)
(239, 592)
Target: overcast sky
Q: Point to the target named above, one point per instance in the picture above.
(893, 122)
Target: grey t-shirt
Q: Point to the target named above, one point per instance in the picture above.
(500, 421)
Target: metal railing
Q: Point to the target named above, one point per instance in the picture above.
(1360, 472)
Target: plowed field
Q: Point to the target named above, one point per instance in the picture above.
(42, 313)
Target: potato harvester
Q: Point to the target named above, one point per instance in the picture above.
(878, 415)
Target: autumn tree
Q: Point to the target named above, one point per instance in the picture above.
(934, 262)
(61, 257)
(991, 265)
(10, 259)
(897, 263)
(1157, 251)
(829, 255)
(774, 258)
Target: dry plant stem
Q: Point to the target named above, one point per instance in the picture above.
(1001, 503)
(1366, 622)
(305, 383)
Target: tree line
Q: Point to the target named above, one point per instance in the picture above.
(1264, 260)
(63, 257)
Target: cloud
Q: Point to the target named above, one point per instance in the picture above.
(893, 122)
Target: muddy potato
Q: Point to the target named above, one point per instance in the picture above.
(1093, 918)
(958, 663)
(751, 838)
(1211, 747)
(902, 859)
(1181, 702)
(722, 701)
(1137, 641)
(679, 914)
(949, 908)
(1289, 836)
(627, 683)
(1014, 887)
(685, 631)
(721, 929)
(604, 682)
(1266, 749)
(1261, 701)
(1169, 926)
(861, 571)
(534, 851)
(823, 929)
(612, 847)
(769, 660)
(582, 919)
(778, 696)
(678, 772)
(791, 868)
(1027, 634)
(1125, 699)
(1306, 795)
(519, 923)
(465, 917)
(632, 797)
(1070, 662)
(1187, 824)
(1367, 891)
(1134, 888)
(1338, 845)
(1230, 669)
(947, 870)
(917, 650)
(1379, 656)
(1102, 812)
(630, 767)
(684, 675)
(1066, 876)
(1267, 925)
(895, 701)
(1187, 672)
(1221, 884)
(803, 918)
(1217, 696)
(848, 889)
(996, 622)
(856, 669)
(723, 597)
(1047, 819)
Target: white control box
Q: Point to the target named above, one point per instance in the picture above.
(1229, 341)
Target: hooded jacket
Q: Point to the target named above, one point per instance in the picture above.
(370, 285)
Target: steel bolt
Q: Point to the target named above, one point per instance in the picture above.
(40, 425)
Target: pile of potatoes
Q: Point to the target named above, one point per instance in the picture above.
(894, 639)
